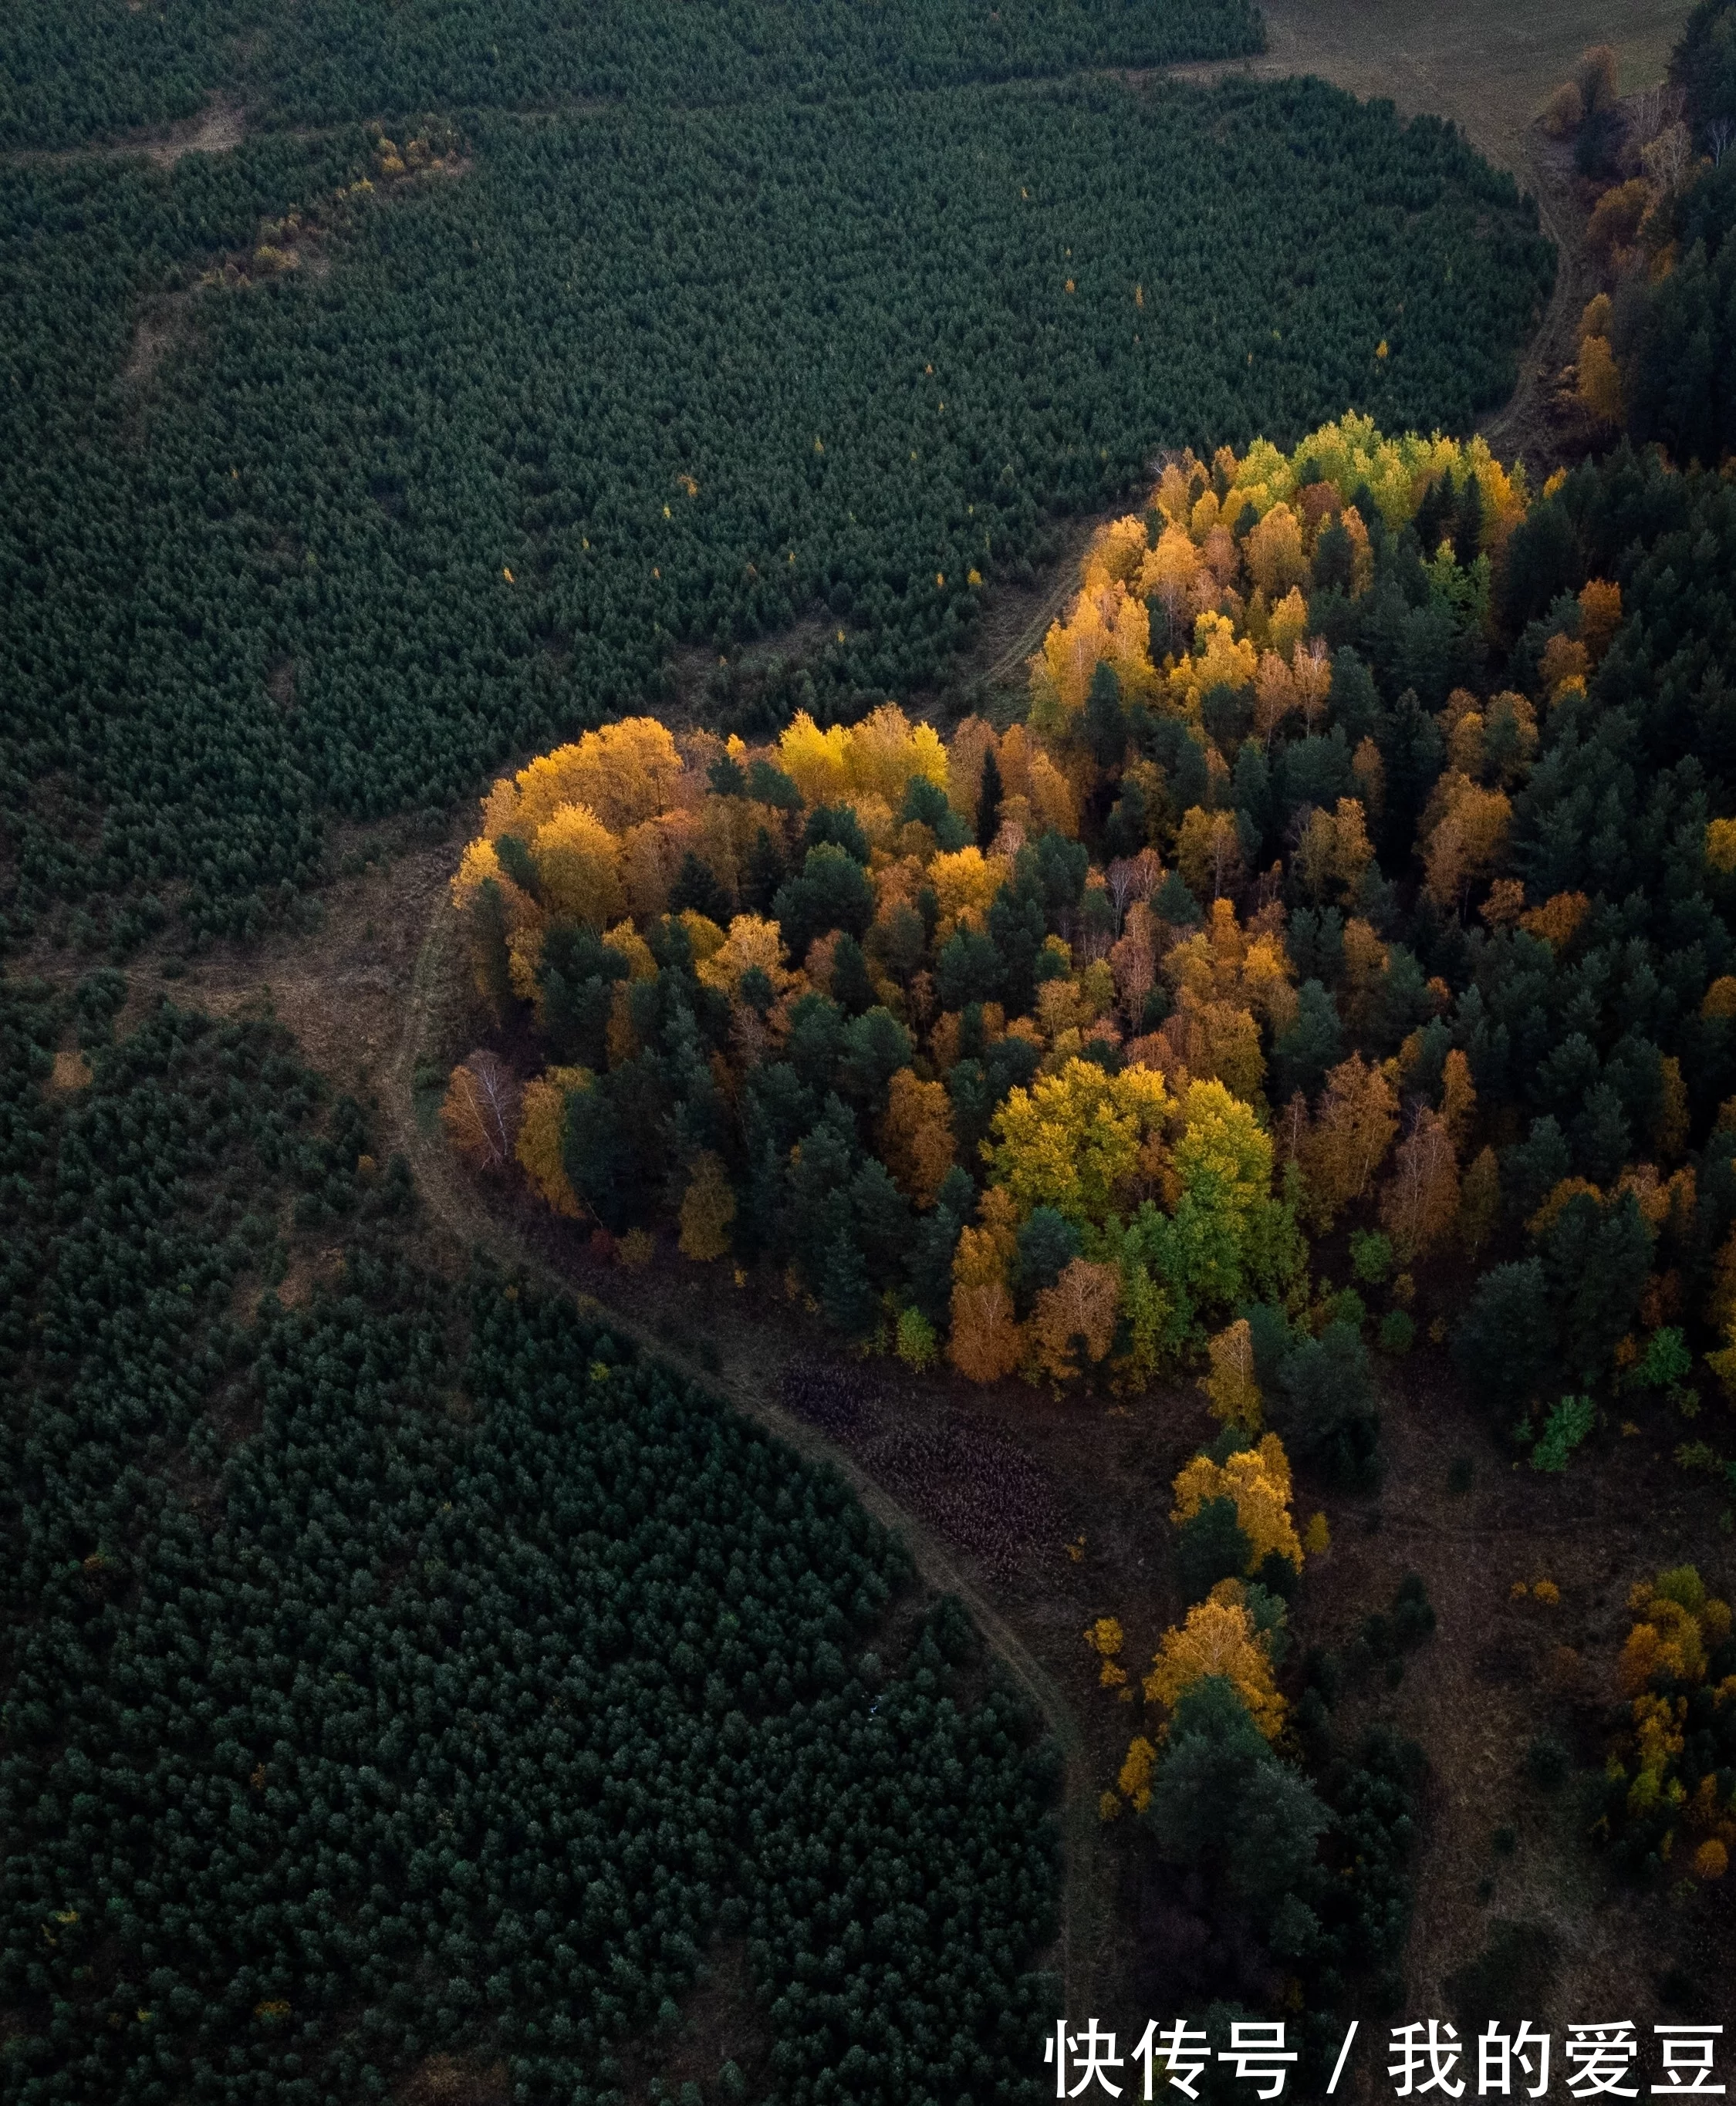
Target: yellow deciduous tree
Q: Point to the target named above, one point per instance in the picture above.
(1234, 1391)
(707, 1210)
(816, 761)
(1170, 576)
(579, 864)
(1258, 1478)
(1073, 1140)
(1134, 1780)
(542, 1136)
(625, 773)
(1219, 1638)
(1333, 851)
(1600, 381)
(750, 941)
(1347, 1141)
(1274, 553)
(1208, 852)
(1215, 1042)
(884, 751)
(1420, 1203)
(1464, 832)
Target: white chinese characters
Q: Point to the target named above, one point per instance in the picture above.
(1600, 2059)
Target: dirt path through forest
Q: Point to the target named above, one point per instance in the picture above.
(1087, 1877)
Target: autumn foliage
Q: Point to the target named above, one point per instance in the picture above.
(480, 1111)
(1043, 1049)
(1669, 1799)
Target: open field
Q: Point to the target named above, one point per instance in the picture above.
(1487, 66)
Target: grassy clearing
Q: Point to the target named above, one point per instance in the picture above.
(1484, 63)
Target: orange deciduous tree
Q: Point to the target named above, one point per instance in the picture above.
(987, 1340)
(480, 1111)
(1600, 615)
(1217, 1638)
(1458, 1097)
(917, 1141)
(1348, 1139)
(1076, 1317)
(1420, 1203)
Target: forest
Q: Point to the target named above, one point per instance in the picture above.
(71, 74)
(423, 475)
(1358, 872)
(1337, 954)
(1657, 341)
(509, 1591)
(366, 1662)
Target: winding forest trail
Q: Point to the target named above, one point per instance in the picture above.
(1086, 1876)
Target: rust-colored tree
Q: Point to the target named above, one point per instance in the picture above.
(1479, 1202)
(1347, 1140)
(480, 1111)
(1074, 1322)
(917, 1141)
(1420, 1203)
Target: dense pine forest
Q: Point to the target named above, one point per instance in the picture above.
(367, 1662)
(425, 475)
(512, 520)
(70, 75)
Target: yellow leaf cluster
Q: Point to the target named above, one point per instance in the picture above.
(876, 758)
(1219, 658)
(579, 865)
(1233, 1391)
(751, 941)
(707, 1210)
(1073, 1140)
(623, 773)
(1219, 1638)
(543, 1133)
(1257, 1480)
(965, 882)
